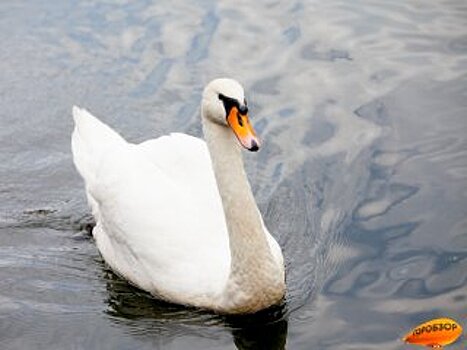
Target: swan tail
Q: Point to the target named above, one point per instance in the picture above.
(90, 140)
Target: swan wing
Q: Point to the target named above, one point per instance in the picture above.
(159, 217)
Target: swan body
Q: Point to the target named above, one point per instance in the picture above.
(175, 215)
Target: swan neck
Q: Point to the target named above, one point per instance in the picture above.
(253, 267)
(237, 198)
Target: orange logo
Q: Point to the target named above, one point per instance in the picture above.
(434, 333)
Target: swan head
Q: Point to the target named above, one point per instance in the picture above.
(224, 103)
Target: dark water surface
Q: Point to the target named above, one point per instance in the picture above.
(362, 107)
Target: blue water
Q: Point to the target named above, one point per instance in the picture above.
(362, 178)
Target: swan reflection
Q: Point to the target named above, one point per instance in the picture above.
(144, 316)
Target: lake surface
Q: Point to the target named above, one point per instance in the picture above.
(362, 108)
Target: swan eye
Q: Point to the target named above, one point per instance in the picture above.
(230, 102)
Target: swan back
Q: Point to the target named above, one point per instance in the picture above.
(159, 217)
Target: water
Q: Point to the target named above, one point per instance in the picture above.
(362, 177)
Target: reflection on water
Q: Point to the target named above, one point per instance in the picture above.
(362, 178)
(270, 336)
(131, 308)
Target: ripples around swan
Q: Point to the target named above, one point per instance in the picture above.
(362, 178)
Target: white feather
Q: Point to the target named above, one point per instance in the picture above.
(156, 205)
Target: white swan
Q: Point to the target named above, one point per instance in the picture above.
(176, 216)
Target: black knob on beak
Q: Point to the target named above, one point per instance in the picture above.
(243, 109)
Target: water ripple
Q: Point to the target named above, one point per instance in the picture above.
(361, 106)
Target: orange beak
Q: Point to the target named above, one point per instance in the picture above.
(242, 128)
